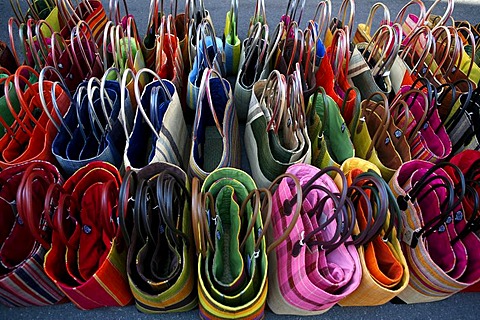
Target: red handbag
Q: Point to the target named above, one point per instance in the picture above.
(87, 258)
(24, 235)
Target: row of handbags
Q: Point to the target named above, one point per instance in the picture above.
(313, 239)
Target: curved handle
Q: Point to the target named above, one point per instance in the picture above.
(287, 208)
(125, 197)
(371, 14)
(274, 93)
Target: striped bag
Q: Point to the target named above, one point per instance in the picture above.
(315, 264)
(229, 234)
(215, 128)
(90, 11)
(24, 235)
(159, 130)
(155, 217)
(430, 201)
(87, 257)
(384, 268)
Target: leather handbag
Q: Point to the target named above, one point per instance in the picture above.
(384, 269)
(429, 200)
(229, 234)
(87, 257)
(92, 128)
(276, 134)
(315, 264)
(215, 128)
(25, 236)
(155, 216)
(31, 134)
(328, 132)
(159, 131)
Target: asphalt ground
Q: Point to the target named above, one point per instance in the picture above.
(459, 306)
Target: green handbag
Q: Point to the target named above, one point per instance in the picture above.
(232, 264)
(328, 132)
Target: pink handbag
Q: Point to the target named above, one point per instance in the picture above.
(315, 265)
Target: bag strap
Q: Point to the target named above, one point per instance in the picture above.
(386, 118)
(382, 48)
(342, 12)
(274, 93)
(126, 195)
(447, 206)
(446, 15)
(373, 10)
(114, 14)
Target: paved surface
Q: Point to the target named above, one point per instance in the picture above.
(460, 306)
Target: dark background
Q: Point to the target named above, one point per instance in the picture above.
(459, 306)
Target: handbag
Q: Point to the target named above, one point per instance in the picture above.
(384, 268)
(333, 71)
(231, 41)
(364, 30)
(169, 60)
(310, 240)
(25, 236)
(155, 216)
(92, 129)
(209, 54)
(229, 234)
(371, 63)
(91, 12)
(377, 138)
(429, 141)
(327, 131)
(31, 134)
(87, 257)
(466, 221)
(254, 63)
(159, 131)
(215, 128)
(429, 199)
(276, 134)
(259, 15)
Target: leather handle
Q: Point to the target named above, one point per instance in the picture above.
(287, 208)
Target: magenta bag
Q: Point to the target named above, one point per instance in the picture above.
(314, 264)
(426, 135)
(440, 264)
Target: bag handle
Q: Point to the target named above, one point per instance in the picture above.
(383, 47)
(371, 14)
(374, 183)
(108, 208)
(473, 52)
(205, 90)
(411, 46)
(36, 46)
(340, 56)
(324, 13)
(109, 42)
(123, 96)
(93, 117)
(20, 26)
(259, 15)
(287, 207)
(443, 50)
(45, 174)
(199, 219)
(452, 87)
(171, 193)
(274, 92)
(446, 15)
(63, 86)
(114, 14)
(450, 204)
(473, 223)
(386, 118)
(291, 11)
(421, 16)
(125, 197)
(68, 13)
(342, 12)
(403, 97)
(58, 43)
(256, 43)
(138, 95)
